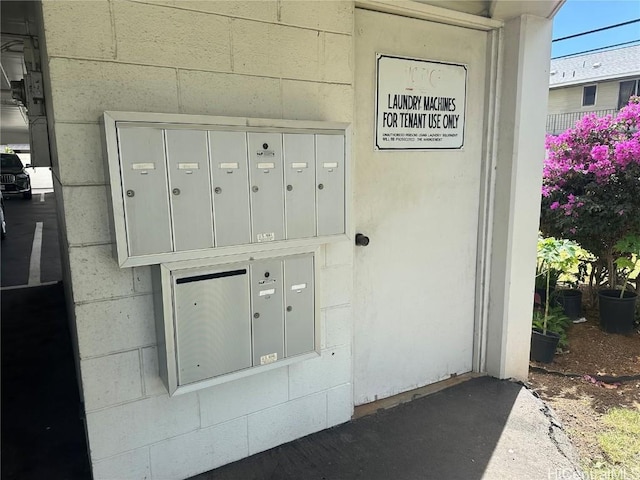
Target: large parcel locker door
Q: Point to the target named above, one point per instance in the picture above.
(299, 177)
(230, 182)
(299, 314)
(330, 180)
(267, 189)
(144, 182)
(213, 324)
(188, 163)
(267, 312)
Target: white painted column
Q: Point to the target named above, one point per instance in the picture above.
(523, 93)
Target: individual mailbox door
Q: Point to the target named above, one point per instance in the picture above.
(190, 191)
(267, 312)
(299, 305)
(230, 182)
(144, 181)
(330, 184)
(213, 323)
(267, 189)
(299, 176)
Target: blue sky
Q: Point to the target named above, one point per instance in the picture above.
(578, 16)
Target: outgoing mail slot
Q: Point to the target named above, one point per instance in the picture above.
(230, 188)
(190, 192)
(213, 323)
(267, 189)
(299, 305)
(267, 312)
(330, 184)
(299, 176)
(146, 199)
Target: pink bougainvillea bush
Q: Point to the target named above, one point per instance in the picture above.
(591, 181)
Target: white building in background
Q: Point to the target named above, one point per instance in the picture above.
(599, 82)
(445, 285)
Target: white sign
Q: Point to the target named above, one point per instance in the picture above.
(420, 104)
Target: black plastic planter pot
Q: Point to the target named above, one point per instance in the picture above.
(617, 314)
(571, 301)
(543, 347)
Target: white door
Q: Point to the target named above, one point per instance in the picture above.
(415, 282)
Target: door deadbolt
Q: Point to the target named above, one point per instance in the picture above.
(131, 193)
(176, 191)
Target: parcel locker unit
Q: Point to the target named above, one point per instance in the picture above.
(213, 324)
(184, 187)
(220, 322)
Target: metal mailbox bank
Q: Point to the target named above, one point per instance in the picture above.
(230, 214)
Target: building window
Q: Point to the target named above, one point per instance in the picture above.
(627, 90)
(589, 96)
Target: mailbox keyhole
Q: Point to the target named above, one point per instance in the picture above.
(267, 274)
(289, 188)
(265, 145)
(289, 308)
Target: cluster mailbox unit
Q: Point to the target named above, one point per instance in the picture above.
(229, 213)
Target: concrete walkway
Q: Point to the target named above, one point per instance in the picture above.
(481, 429)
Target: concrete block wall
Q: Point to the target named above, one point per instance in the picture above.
(270, 59)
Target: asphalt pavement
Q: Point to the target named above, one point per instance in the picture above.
(22, 218)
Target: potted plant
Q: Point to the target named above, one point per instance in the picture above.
(549, 325)
(618, 307)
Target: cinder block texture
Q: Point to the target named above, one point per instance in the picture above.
(337, 58)
(113, 325)
(287, 422)
(338, 326)
(153, 384)
(200, 41)
(247, 395)
(111, 380)
(199, 451)
(336, 285)
(87, 215)
(331, 369)
(334, 16)
(265, 10)
(83, 90)
(92, 35)
(133, 425)
(208, 93)
(96, 276)
(133, 465)
(275, 51)
(339, 405)
(79, 146)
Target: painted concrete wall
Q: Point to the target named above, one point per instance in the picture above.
(520, 153)
(258, 59)
(569, 99)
